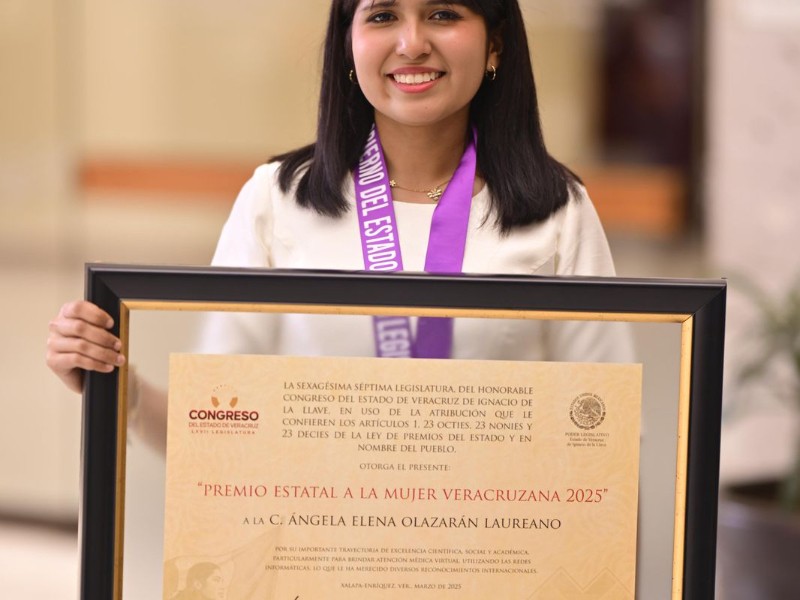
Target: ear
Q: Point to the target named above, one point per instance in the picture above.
(495, 50)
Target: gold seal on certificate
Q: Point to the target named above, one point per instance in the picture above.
(364, 478)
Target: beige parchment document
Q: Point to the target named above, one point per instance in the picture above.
(365, 478)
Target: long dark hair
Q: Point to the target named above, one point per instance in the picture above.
(527, 185)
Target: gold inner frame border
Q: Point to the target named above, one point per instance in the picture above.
(684, 396)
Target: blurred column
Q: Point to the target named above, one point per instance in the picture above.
(753, 213)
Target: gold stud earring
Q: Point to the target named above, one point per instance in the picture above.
(491, 73)
(352, 77)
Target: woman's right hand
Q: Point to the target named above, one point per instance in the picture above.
(79, 340)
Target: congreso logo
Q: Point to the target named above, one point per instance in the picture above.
(223, 413)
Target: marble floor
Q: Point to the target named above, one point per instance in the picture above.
(37, 562)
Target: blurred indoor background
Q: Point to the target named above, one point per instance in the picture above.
(128, 126)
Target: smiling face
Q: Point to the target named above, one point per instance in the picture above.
(419, 62)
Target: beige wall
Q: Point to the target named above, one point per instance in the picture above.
(240, 79)
(38, 436)
(199, 78)
(564, 41)
(31, 147)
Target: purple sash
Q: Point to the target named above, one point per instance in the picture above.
(380, 246)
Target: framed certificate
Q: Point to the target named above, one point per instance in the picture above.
(569, 448)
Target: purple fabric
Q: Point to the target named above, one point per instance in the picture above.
(380, 246)
(446, 251)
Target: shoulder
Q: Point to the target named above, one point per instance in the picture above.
(247, 233)
(579, 206)
(264, 179)
(582, 244)
(261, 192)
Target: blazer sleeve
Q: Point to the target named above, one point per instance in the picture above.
(583, 250)
(245, 241)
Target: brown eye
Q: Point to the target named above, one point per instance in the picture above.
(445, 15)
(381, 17)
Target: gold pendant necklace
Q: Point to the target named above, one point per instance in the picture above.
(434, 193)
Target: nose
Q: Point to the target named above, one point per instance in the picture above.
(412, 41)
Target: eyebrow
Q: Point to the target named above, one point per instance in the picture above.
(381, 4)
(389, 3)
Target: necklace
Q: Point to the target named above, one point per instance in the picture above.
(434, 193)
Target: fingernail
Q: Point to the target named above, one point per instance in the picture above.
(120, 359)
(109, 323)
(117, 345)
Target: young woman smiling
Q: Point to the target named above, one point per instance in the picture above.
(429, 157)
(419, 65)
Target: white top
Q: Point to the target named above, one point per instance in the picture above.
(266, 228)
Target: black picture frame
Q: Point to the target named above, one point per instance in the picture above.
(699, 305)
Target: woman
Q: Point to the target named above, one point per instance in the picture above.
(204, 581)
(429, 156)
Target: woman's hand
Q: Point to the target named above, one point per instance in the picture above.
(79, 340)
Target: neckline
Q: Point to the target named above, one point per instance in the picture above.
(350, 192)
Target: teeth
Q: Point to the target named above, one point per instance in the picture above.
(416, 78)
